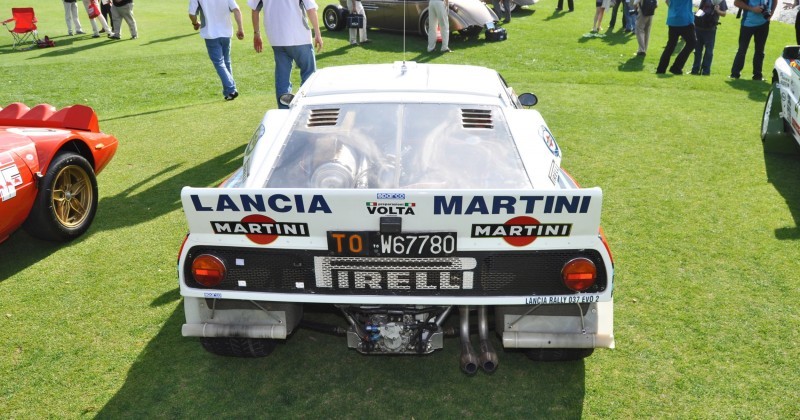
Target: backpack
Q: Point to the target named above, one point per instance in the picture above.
(709, 18)
(649, 7)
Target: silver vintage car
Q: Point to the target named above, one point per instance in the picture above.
(467, 17)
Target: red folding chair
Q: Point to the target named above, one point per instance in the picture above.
(24, 26)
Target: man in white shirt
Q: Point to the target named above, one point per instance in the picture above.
(215, 27)
(287, 33)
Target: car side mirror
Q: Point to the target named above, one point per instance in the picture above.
(528, 99)
(286, 99)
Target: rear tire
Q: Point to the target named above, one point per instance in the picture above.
(238, 347)
(558, 355)
(66, 202)
(513, 6)
(423, 28)
(775, 131)
(333, 17)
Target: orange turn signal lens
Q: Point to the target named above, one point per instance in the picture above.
(579, 274)
(208, 270)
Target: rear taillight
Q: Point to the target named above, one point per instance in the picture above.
(208, 270)
(579, 274)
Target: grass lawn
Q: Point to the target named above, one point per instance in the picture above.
(703, 226)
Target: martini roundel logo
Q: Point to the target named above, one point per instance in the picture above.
(521, 230)
(260, 238)
(259, 229)
(520, 240)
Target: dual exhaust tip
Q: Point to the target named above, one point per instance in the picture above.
(487, 359)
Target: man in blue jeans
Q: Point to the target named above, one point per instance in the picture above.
(755, 25)
(288, 34)
(705, 23)
(215, 27)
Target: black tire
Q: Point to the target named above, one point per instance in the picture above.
(238, 347)
(423, 28)
(513, 6)
(66, 202)
(333, 17)
(558, 355)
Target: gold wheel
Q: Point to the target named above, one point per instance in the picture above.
(72, 196)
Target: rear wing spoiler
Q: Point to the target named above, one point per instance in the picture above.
(482, 219)
(75, 117)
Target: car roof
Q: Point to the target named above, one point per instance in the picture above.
(406, 77)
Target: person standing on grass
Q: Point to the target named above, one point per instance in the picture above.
(105, 10)
(213, 19)
(123, 10)
(614, 10)
(570, 4)
(438, 16)
(505, 11)
(755, 25)
(645, 10)
(600, 10)
(680, 21)
(71, 16)
(630, 10)
(287, 33)
(100, 18)
(358, 35)
(705, 23)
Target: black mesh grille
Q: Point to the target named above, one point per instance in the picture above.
(494, 274)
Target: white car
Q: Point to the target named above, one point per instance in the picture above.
(402, 194)
(780, 128)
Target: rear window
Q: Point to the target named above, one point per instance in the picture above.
(400, 146)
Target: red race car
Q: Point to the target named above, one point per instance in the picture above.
(48, 162)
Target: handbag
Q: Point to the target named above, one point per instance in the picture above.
(355, 20)
(93, 10)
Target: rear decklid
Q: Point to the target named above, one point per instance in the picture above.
(341, 243)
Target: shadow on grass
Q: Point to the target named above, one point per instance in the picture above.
(134, 206)
(783, 172)
(167, 39)
(128, 208)
(315, 375)
(635, 63)
(619, 37)
(557, 14)
(74, 45)
(756, 90)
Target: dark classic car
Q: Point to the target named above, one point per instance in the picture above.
(468, 17)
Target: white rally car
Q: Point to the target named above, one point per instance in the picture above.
(403, 194)
(780, 128)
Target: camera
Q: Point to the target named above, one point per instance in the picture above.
(766, 12)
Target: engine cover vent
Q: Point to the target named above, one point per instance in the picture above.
(323, 117)
(477, 118)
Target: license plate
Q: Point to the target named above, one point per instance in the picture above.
(376, 244)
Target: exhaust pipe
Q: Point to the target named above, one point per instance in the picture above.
(488, 357)
(469, 363)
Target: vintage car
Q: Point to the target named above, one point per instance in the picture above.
(467, 17)
(48, 162)
(780, 129)
(402, 194)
